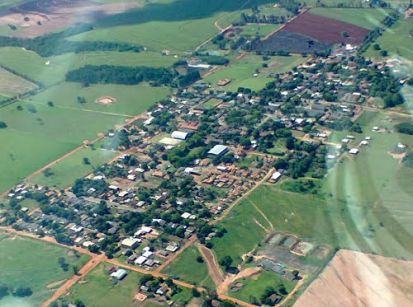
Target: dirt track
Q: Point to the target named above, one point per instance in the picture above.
(213, 267)
(357, 279)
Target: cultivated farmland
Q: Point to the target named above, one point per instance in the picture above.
(34, 264)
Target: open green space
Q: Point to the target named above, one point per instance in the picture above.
(180, 25)
(362, 17)
(397, 41)
(37, 134)
(34, 264)
(52, 70)
(99, 290)
(249, 72)
(262, 30)
(254, 287)
(12, 85)
(64, 173)
(129, 100)
(187, 268)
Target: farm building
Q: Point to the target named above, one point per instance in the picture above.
(218, 150)
(119, 274)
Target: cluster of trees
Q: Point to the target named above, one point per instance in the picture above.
(405, 127)
(56, 43)
(82, 185)
(93, 74)
(259, 18)
(3, 125)
(19, 291)
(214, 59)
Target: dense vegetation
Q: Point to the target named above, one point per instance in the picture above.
(405, 127)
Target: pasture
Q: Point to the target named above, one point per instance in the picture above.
(249, 72)
(397, 41)
(64, 173)
(129, 100)
(12, 85)
(37, 135)
(365, 18)
(34, 264)
(186, 267)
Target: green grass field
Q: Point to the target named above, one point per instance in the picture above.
(253, 30)
(397, 41)
(67, 171)
(39, 134)
(129, 99)
(32, 263)
(12, 85)
(255, 286)
(241, 72)
(365, 18)
(99, 291)
(187, 268)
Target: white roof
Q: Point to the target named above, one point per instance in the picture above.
(218, 150)
(186, 215)
(180, 135)
(140, 260)
(275, 176)
(354, 151)
(129, 242)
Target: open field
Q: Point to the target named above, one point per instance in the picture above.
(356, 279)
(241, 71)
(365, 18)
(97, 289)
(187, 268)
(262, 30)
(12, 85)
(254, 287)
(397, 40)
(179, 25)
(67, 171)
(128, 99)
(52, 70)
(37, 135)
(32, 263)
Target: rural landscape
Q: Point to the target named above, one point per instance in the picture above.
(209, 153)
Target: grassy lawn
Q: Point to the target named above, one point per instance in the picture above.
(212, 103)
(255, 286)
(52, 70)
(129, 99)
(39, 134)
(187, 268)
(365, 18)
(13, 85)
(67, 171)
(261, 30)
(98, 290)
(396, 40)
(32, 263)
(241, 72)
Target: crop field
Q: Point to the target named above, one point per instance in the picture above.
(241, 72)
(128, 100)
(98, 290)
(37, 135)
(179, 25)
(187, 268)
(64, 173)
(254, 287)
(397, 40)
(12, 85)
(34, 264)
(365, 18)
(52, 70)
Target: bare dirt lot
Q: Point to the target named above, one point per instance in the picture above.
(44, 16)
(357, 279)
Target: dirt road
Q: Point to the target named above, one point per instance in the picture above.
(176, 255)
(213, 267)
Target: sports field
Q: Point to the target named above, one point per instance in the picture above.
(249, 72)
(34, 264)
(187, 268)
(64, 173)
(397, 41)
(365, 18)
(39, 134)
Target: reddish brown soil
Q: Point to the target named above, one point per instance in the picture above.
(357, 279)
(326, 30)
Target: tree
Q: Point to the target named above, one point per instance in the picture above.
(23, 292)
(195, 293)
(199, 259)
(3, 125)
(86, 161)
(226, 262)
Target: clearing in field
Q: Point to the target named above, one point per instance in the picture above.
(357, 279)
(249, 72)
(189, 268)
(365, 18)
(12, 85)
(38, 134)
(78, 165)
(34, 264)
(397, 41)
